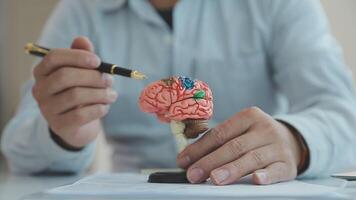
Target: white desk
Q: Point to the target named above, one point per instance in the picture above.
(17, 187)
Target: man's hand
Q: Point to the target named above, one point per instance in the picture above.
(249, 142)
(71, 95)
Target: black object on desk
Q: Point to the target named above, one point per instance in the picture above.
(168, 177)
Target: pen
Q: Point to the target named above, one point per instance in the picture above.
(40, 51)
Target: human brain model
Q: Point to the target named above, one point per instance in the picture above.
(185, 103)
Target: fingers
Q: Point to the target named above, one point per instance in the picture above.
(249, 141)
(233, 127)
(274, 173)
(57, 58)
(231, 151)
(71, 77)
(251, 161)
(70, 94)
(78, 117)
(78, 96)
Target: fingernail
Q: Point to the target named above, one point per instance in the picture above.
(112, 95)
(195, 174)
(220, 175)
(183, 161)
(107, 78)
(262, 177)
(95, 61)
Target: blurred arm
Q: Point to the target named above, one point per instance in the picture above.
(26, 141)
(308, 68)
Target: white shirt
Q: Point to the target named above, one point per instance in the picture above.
(278, 55)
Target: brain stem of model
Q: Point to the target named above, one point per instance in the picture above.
(185, 103)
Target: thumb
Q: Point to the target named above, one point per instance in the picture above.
(82, 42)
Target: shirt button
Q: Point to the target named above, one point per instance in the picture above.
(167, 39)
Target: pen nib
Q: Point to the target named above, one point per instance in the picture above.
(138, 75)
(28, 47)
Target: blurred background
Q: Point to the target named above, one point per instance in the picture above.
(21, 21)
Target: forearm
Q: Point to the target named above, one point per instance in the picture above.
(309, 71)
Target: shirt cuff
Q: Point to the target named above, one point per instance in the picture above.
(60, 142)
(60, 159)
(313, 137)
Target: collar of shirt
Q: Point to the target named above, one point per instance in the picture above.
(141, 8)
(110, 5)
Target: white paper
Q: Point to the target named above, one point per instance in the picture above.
(136, 185)
(346, 175)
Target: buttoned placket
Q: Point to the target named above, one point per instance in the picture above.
(147, 13)
(186, 24)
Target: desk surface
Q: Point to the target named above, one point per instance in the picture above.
(17, 187)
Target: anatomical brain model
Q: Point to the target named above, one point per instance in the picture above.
(185, 103)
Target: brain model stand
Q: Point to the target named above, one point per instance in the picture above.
(185, 103)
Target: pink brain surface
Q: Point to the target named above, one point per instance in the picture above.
(177, 98)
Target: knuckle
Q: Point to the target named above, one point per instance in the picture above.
(205, 164)
(236, 147)
(228, 124)
(257, 158)
(270, 129)
(218, 135)
(236, 165)
(252, 111)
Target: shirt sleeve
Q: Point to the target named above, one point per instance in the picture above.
(26, 141)
(308, 68)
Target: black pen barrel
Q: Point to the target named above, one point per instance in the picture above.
(114, 69)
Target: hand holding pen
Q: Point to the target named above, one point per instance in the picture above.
(72, 96)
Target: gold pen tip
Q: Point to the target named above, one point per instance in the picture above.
(138, 75)
(28, 47)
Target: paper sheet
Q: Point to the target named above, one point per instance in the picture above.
(124, 185)
(351, 176)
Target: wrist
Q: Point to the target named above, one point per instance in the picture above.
(301, 150)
